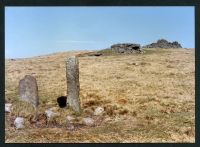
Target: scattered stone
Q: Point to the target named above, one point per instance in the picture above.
(162, 43)
(126, 48)
(70, 118)
(70, 127)
(28, 90)
(88, 121)
(19, 122)
(50, 114)
(8, 107)
(108, 119)
(98, 111)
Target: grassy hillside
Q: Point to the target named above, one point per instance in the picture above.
(147, 97)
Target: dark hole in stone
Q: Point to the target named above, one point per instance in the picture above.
(62, 101)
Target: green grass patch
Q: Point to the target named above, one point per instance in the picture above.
(149, 51)
(106, 52)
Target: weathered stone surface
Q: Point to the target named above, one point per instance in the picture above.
(50, 114)
(126, 48)
(162, 43)
(73, 86)
(88, 121)
(19, 122)
(98, 111)
(28, 90)
(8, 107)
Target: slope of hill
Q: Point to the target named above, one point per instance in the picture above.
(147, 97)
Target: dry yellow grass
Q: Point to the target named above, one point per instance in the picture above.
(147, 97)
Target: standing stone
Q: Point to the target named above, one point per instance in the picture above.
(28, 90)
(73, 87)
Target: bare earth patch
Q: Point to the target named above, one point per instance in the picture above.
(147, 97)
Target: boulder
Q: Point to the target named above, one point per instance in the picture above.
(162, 43)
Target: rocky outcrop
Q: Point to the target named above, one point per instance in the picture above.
(126, 48)
(162, 43)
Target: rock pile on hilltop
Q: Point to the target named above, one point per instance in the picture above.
(131, 48)
(126, 48)
(162, 43)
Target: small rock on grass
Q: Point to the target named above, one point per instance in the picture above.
(8, 107)
(50, 114)
(70, 127)
(88, 121)
(70, 118)
(98, 111)
(19, 122)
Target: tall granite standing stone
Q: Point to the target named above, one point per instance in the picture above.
(28, 91)
(73, 86)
